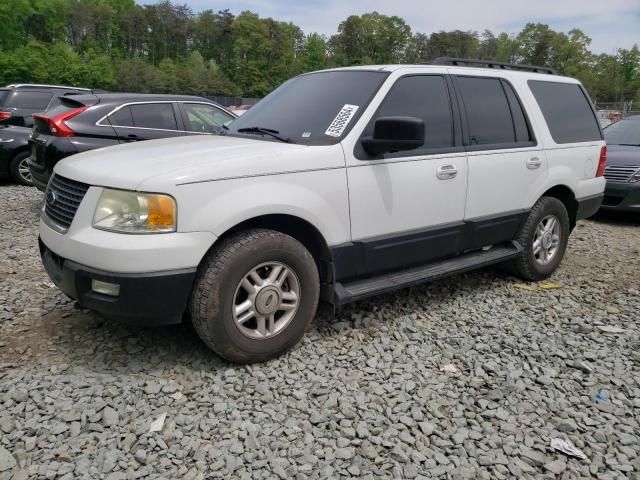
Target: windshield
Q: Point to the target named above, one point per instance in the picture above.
(624, 132)
(313, 109)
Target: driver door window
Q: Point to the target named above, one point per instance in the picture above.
(425, 97)
(202, 118)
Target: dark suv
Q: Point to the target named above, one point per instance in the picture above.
(85, 122)
(17, 105)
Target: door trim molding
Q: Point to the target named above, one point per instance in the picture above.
(392, 252)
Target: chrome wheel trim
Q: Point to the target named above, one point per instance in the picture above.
(266, 300)
(23, 170)
(546, 240)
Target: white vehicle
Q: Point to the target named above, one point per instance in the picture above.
(339, 185)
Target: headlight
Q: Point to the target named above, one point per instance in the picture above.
(134, 212)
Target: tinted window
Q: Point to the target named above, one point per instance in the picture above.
(31, 100)
(624, 132)
(3, 96)
(425, 97)
(316, 108)
(121, 117)
(520, 125)
(154, 115)
(205, 118)
(567, 111)
(488, 112)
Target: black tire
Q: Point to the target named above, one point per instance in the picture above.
(526, 265)
(215, 290)
(15, 167)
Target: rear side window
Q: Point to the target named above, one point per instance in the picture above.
(154, 115)
(488, 111)
(30, 100)
(520, 125)
(121, 117)
(567, 111)
(425, 97)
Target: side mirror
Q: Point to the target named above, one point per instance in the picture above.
(395, 134)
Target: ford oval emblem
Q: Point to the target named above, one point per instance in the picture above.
(51, 197)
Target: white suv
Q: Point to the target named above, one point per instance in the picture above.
(339, 185)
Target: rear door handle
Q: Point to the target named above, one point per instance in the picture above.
(446, 172)
(533, 163)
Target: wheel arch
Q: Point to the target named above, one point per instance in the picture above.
(568, 198)
(20, 150)
(303, 231)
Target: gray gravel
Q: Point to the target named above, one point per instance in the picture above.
(465, 378)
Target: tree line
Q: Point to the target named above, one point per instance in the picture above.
(167, 48)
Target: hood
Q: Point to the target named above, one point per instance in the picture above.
(622, 155)
(155, 164)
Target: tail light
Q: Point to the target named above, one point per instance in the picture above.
(57, 124)
(602, 163)
(5, 115)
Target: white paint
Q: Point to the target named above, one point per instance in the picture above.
(219, 182)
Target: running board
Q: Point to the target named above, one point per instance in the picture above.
(368, 287)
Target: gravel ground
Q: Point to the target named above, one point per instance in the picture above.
(465, 378)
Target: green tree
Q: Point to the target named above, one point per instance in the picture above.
(13, 18)
(417, 50)
(370, 38)
(506, 48)
(456, 44)
(315, 52)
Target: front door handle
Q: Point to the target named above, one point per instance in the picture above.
(533, 163)
(446, 172)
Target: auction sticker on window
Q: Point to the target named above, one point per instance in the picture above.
(341, 121)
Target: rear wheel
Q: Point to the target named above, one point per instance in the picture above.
(544, 237)
(19, 169)
(255, 295)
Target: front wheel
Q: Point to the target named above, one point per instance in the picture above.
(19, 169)
(255, 295)
(544, 237)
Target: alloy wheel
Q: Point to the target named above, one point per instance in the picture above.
(546, 239)
(266, 300)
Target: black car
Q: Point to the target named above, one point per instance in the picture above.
(623, 165)
(85, 122)
(17, 105)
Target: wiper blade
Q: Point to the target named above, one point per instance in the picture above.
(266, 131)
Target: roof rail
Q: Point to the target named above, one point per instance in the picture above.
(43, 85)
(492, 64)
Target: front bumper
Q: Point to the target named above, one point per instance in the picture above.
(155, 298)
(622, 197)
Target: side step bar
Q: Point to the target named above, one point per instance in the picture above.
(368, 287)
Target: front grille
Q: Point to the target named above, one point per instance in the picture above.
(63, 198)
(615, 173)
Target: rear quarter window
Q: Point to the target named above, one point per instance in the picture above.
(567, 111)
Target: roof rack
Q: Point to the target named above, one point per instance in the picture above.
(492, 64)
(43, 85)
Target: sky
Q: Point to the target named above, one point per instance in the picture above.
(611, 24)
